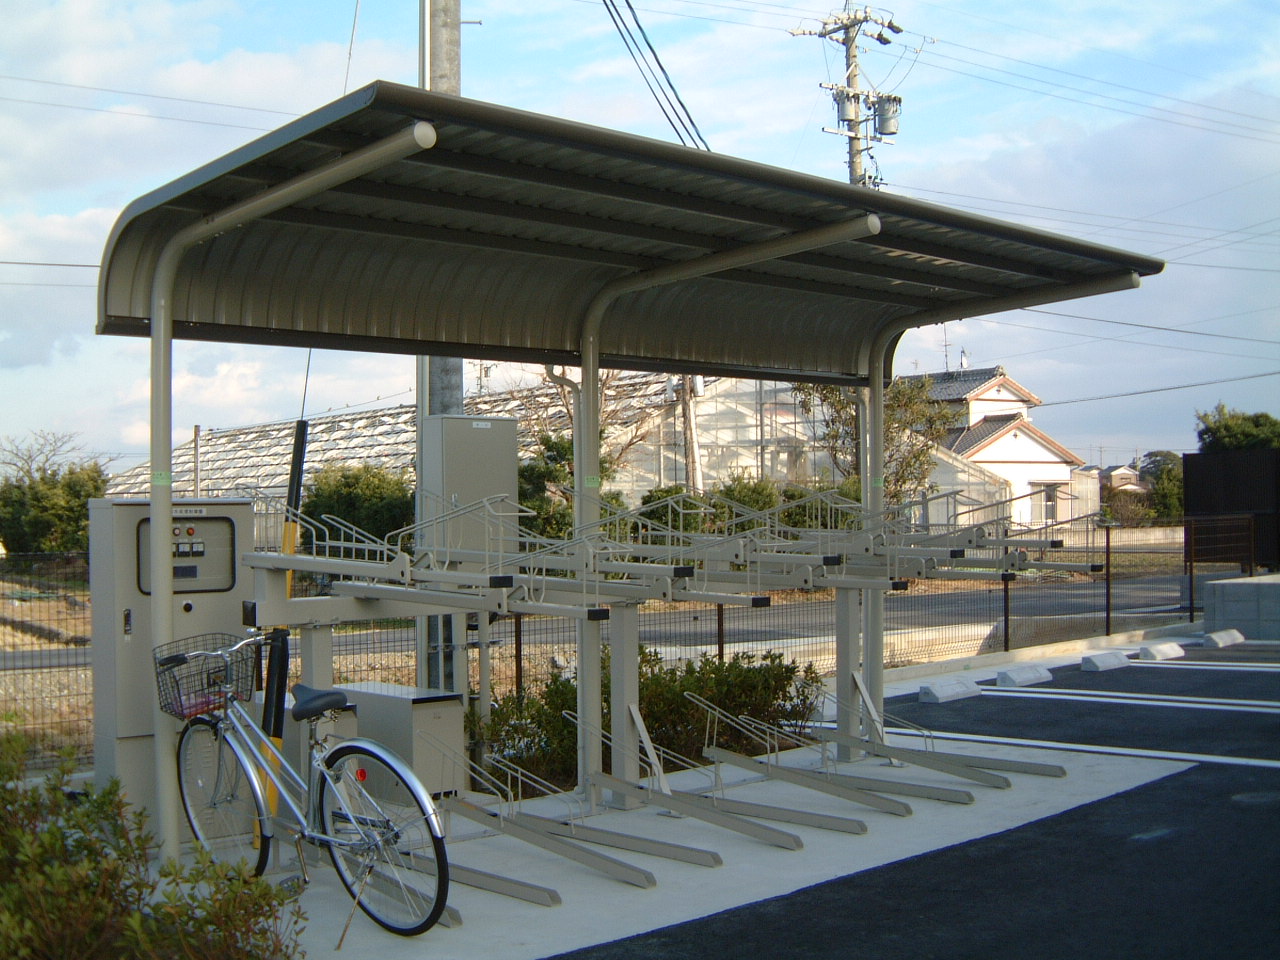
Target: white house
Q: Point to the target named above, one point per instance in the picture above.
(996, 433)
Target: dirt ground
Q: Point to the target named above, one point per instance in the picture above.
(31, 618)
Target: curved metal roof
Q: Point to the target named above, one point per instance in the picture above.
(493, 243)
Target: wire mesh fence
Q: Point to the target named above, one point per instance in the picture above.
(46, 683)
(1099, 580)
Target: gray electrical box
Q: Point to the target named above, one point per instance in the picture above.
(424, 727)
(206, 538)
(468, 459)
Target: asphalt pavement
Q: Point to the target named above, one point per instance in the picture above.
(1186, 866)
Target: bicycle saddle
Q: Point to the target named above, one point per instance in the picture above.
(309, 703)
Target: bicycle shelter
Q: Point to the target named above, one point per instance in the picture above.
(402, 221)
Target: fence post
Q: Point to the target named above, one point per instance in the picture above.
(519, 644)
(1190, 529)
(1253, 541)
(1004, 582)
(1107, 562)
(720, 632)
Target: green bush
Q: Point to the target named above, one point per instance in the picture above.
(768, 689)
(531, 730)
(76, 881)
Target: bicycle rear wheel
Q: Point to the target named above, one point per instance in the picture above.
(218, 796)
(389, 858)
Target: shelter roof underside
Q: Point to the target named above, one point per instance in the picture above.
(493, 243)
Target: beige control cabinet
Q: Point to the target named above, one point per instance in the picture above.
(206, 539)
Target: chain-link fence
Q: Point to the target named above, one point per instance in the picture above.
(46, 682)
(1144, 577)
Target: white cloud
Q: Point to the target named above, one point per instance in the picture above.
(753, 92)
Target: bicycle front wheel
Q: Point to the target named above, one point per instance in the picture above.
(218, 796)
(389, 858)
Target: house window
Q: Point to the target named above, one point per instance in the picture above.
(1044, 502)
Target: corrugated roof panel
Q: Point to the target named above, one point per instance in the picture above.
(493, 243)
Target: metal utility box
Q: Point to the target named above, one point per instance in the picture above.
(206, 540)
(467, 459)
(423, 726)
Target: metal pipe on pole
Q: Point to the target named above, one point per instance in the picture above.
(418, 136)
(586, 480)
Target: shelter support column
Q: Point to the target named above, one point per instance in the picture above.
(412, 139)
(161, 561)
(872, 431)
(624, 682)
(848, 659)
(586, 501)
(873, 502)
(590, 714)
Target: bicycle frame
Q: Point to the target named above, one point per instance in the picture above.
(265, 758)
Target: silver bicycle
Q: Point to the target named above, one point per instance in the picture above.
(359, 799)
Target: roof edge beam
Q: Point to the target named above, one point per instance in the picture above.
(418, 136)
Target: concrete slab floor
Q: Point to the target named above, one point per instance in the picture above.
(596, 909)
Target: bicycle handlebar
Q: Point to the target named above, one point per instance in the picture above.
(254, 639)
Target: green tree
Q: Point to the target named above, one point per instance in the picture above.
(752, 495)
(1162, 471)
(545, 485)
(1222, 429)
(1129, 508)
(375, 499)
(44, 494)
(914, 425)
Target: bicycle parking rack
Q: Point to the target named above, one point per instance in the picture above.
(679, 549)
(653, 789)
(563, 836)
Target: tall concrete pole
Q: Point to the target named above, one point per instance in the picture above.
(439, 380)
(854, 101)
(440, 70)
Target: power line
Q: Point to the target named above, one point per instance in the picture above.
(1096, 220)
(1183, 386)
(1148, 326)
(1199, 120)
(655, 75)
(1109, 83)
(138, 116)
(1224, 266)
(149, 96)
(1270, 139)
(16, 283)
(1086, 339)
(42, 263)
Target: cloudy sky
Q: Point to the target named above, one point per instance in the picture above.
(1150, 126)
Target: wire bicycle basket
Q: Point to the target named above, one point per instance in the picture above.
(197, 685)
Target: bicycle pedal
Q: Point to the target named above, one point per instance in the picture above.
(292, 886)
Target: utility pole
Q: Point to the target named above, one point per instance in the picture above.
(440, 379)
(846, 28)
(851, 657)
